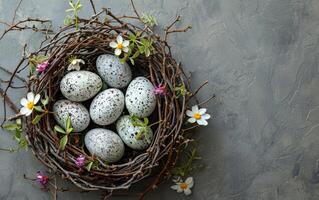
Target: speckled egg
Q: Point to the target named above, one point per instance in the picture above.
(140, 99)
(113, 72)
(80, 85)
(127, 132)
(107, 106)
(79, 115)
(105, 144)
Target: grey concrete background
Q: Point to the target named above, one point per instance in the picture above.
(261, 60)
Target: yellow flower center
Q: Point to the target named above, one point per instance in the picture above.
(30, 105)
(183, 186)
(120, 46)
(197, 116)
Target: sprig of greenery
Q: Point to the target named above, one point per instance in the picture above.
(188, 166)
(138, 46)
(144, 127)
(35, 60)
(149, 20)
(42, 109)
(74, 17)
(66, 132)
(16, 129)
(92, 165)
(182, 91)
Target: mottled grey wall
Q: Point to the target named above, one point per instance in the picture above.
(261, 60)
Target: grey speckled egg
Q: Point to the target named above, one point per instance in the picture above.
(107, 106)
(80, 85)
(105, 144)
(79, 115)
(113, 72)
(127, 132)
(140, 99)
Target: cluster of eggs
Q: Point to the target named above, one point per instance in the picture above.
(106, 107)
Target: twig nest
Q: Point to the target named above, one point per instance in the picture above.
(107, 106)
(140, 99)
(80, 85)
(115, 73)
(79, 115)
(128, 133)
(105, 144)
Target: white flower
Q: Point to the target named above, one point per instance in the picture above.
(198, 115)
(29, 103)
(184, 186)
(120, 45)
(75, 64)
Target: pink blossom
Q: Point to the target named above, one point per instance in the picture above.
(43, 66)
(80, 161)
(160, 89)
(42, 179)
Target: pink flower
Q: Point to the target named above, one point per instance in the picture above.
(43, 66)
(80, 161)
(42, 179)
(160, 89)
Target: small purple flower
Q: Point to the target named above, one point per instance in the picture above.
(43, 66)
(42, 179)
(80, 161)
(160, 89)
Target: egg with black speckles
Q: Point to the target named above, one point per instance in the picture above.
(127, 131)
(107, 106)
(115, 73)
(80, 86)
(140, 99)
(79, 115)
(105, 144)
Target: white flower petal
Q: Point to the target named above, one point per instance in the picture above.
(81, 61)
(24, 101)
(126, 43)
(189, 113)
(36, 99)
(179, 189)
(126, 49)
(187, 192)
(24, 110)
(195, 109)
(202, 111)
(191, 120)
(30, 96)
(190, 182)
(206, 116)
(119, 39)
(174, 187)
(202, 122)
(28, 113)
(118, 52)
(113, 44)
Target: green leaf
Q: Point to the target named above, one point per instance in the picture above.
(37, 119)
(45, 101)
(63, 142)
(138, 136)
(148, 19)
(68, 122)
(38, 108)
(10, 127)
(70, 130)
(146, 121)
(17, 135)
(59, 129)
(23, 144)
(89, 166)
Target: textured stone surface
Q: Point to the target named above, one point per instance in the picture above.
(261, 60)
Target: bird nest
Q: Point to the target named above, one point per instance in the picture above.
(87, 39)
